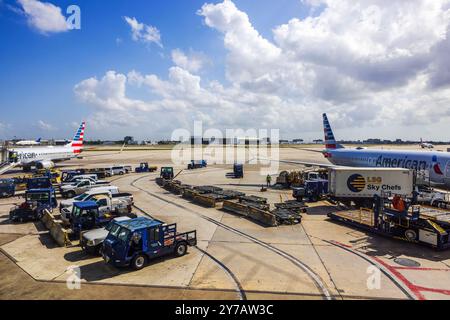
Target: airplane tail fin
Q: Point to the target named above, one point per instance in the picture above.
(78, 140)
(39, 140)
(330, 141)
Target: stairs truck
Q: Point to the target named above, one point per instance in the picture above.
(135, 242)
(358, 186)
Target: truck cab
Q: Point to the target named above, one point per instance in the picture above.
(197, 164)
(312, 190)
(238, 170)
(39, 183)
(88, 215)
(134, 242)
(167, 173)
(36, 201)
(7, 188)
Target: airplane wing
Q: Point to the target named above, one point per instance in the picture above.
(302, 163)
(307, 164)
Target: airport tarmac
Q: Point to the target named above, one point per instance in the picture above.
(235, 258)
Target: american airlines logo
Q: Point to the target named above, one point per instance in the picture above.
(386, 162)
(26, 155)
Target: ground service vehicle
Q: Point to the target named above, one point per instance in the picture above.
(134, 242)
(36, 201)
(312, 190)
(238, 170)
(39, 183)
(431, 197)
(7, 188)
(92, 241)
(113, 190)
(72, 190)
(412, 223)
(117, 170)
(197, 164)
(86, 216)
(144, 167)
(167, 173)
(53, 175)
(360, 185)
(117, 205)
(78, 177)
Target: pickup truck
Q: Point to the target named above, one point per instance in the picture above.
(118, 204)
(72, 190)
(432, 197)
(134, 242)
(92, 241)
(79, 177)
(113, 190)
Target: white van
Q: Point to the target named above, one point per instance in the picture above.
(117, 170)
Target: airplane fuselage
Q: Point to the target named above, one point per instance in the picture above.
(437, 164)
(30, 156)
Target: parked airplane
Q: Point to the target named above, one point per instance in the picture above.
(28, 142)
(45, 157)
(426, 145)
(435, 165)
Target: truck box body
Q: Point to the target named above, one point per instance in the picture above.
(368, 182)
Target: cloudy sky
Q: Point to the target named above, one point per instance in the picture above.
(379, 68)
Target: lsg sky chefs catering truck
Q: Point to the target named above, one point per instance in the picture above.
(360, 185)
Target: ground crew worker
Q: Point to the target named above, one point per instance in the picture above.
(269, 180)
(13, 157)
(398, 203)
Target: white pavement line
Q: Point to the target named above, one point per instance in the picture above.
(410, 295)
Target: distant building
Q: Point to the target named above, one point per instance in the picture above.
(298, 141)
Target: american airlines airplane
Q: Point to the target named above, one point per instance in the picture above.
(45, 157)
(29, 142)
(436, 165)
(426, 145)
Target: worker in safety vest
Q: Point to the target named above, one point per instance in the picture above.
(398, 203)
(269, 180)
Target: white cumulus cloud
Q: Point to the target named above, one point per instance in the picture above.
(193, 61)
(142, 32)
(44, 16)
(377, 64)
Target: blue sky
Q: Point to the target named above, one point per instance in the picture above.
(232, 64)
(38, 71)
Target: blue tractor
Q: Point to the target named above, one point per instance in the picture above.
(312, 190)
(197, 164)
(7, 188)
(144, 167)
(87, 216)
(135, 242)
(36, 201)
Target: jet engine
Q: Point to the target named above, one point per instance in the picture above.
(45, 165)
